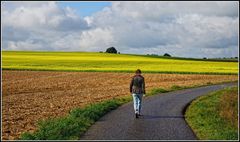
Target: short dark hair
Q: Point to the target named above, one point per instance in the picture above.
(138, 71)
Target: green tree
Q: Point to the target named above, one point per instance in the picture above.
(111, 50)
(166, 54)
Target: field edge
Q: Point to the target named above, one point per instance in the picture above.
(120, 71)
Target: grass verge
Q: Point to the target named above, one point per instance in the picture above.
(72, 126)
(215, 116)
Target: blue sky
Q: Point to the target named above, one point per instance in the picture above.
(85, 8)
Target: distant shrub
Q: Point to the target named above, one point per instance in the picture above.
(167, 55)
(111, 50)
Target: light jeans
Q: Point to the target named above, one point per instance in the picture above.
(137, 102)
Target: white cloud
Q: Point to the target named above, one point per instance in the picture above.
(208, 32)
(24, 45)
(176, 27)
(158, 9)
(43, 23)
(47, 16)
(98, 38)
(192, 29)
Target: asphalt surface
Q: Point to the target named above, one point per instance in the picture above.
(163, 118)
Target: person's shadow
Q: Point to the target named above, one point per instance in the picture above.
(158, 117)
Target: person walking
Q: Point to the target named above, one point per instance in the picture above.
(137, 89)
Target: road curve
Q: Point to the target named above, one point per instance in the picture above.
(163, 118)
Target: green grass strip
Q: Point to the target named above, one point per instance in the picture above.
(72, 126)
(203, 117)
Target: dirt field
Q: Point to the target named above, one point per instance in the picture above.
(29, 96)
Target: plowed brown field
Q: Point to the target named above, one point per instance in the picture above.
(29, 96)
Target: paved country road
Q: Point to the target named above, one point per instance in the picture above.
(163, 118)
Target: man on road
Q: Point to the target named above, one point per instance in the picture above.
(137, 89)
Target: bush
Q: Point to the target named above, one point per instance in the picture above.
(111, 50)
(167, 55)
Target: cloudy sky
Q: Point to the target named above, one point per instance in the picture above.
(185, 29)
